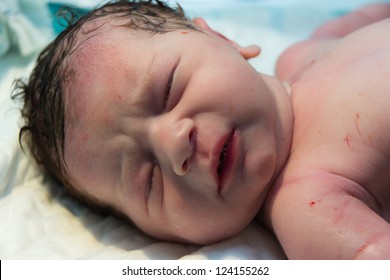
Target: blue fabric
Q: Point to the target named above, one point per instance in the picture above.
(18, 28)
(60, 23)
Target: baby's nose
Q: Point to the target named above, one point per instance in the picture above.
(174, 143)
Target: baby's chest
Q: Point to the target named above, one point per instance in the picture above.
(344, 128)
(346, 96)
(342, 117)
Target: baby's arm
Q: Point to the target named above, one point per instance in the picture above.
(344, 25)
(327, 217)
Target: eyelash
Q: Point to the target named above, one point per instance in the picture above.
(151, 179)
(168, 89)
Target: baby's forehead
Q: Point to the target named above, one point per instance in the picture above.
(92, 43)
(92, 67)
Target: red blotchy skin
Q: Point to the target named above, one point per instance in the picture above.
(347, 140)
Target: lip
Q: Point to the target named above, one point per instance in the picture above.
(222, 177)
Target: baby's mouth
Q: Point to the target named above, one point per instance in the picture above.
(224, 157)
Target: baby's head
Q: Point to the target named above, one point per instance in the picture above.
(138, 110)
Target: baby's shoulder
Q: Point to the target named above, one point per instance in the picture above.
(295, 60)
(370, 38)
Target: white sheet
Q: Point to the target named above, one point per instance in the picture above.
(38, 220)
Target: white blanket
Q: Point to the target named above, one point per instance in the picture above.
(39, 220)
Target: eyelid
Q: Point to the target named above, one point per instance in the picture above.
(168, 89)
(151, 180)
(169, 86)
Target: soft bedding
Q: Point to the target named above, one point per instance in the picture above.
(39, 220)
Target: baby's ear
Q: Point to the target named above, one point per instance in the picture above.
(246, 52)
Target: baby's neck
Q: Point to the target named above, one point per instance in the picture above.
(283, 121)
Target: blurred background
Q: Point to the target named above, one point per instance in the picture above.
(272, 24)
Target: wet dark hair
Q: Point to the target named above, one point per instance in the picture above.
(43, 94)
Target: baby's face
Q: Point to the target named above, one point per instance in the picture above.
(174, 130)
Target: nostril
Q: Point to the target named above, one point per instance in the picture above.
(192, 136)
(184, 166)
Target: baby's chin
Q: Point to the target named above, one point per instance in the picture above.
(200, 235)
(212, 227)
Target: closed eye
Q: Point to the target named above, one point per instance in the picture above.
(167, 95)
(168, 89)
(151, 180)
